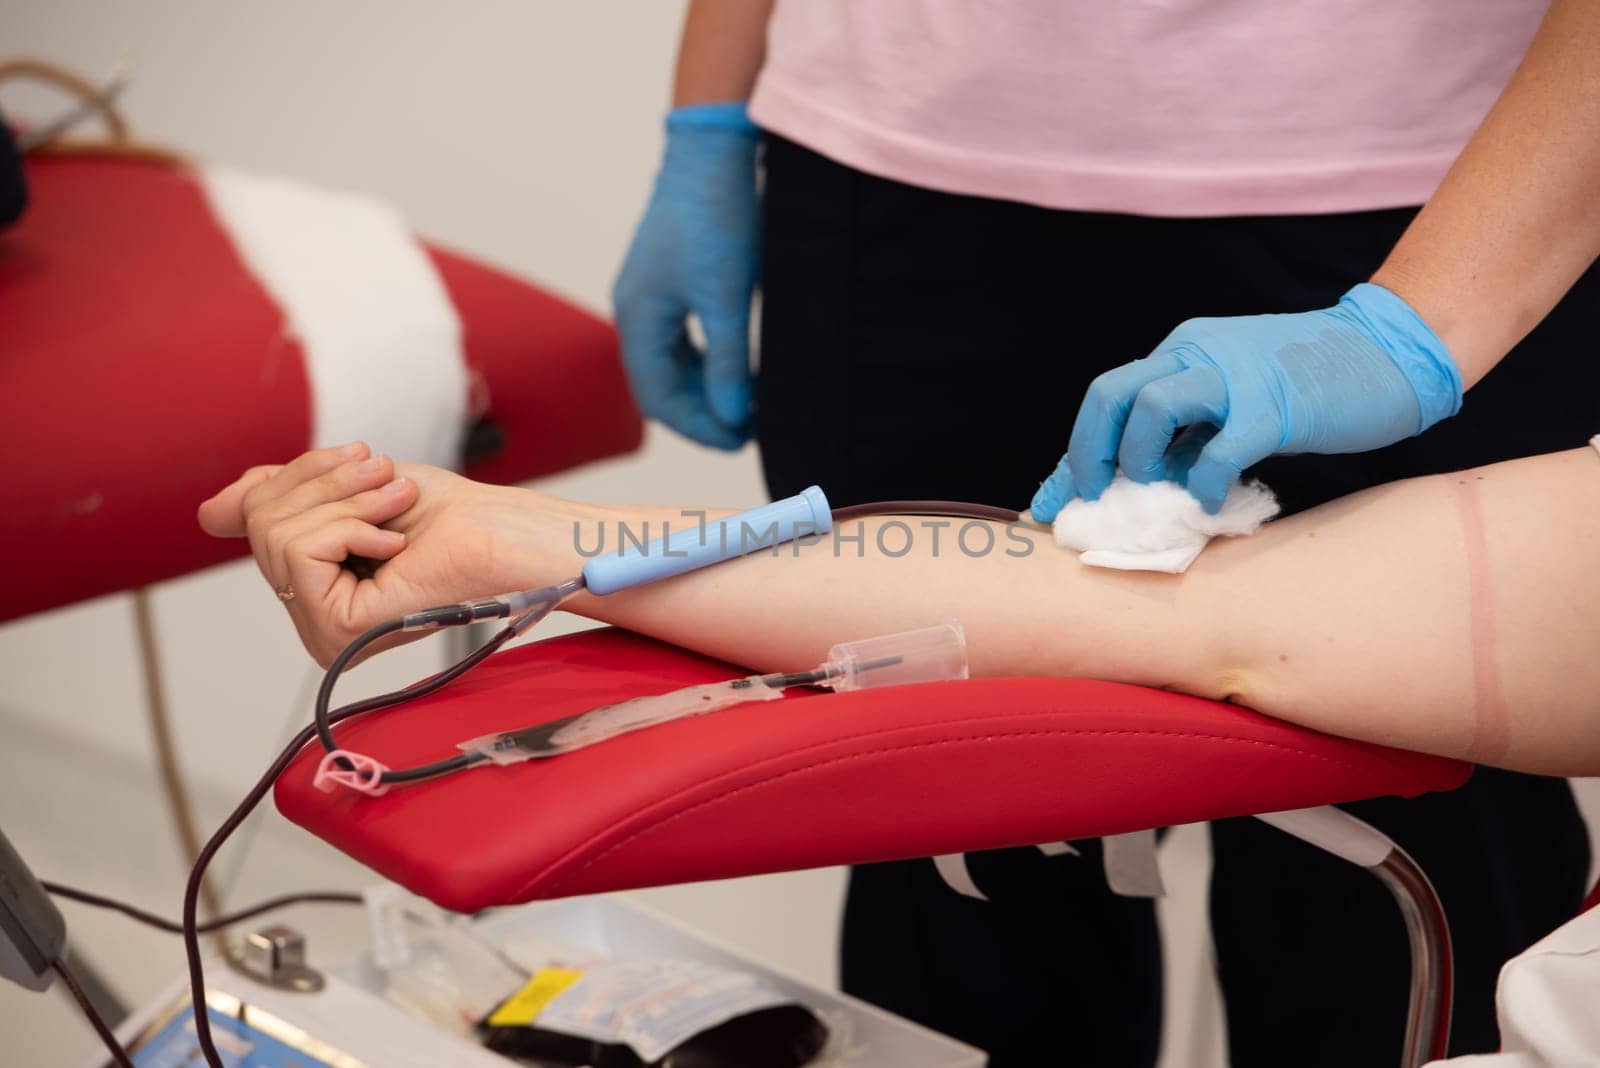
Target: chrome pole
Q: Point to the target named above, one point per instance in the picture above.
(1428, 1021)
(1336, 831)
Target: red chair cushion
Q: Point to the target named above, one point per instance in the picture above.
(815, 779)
(143, 367)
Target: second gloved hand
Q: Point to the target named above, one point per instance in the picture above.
(1363, 374)
(695, 252)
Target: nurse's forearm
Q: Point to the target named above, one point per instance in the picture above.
(1455, 615)
(721, 51)
(1517, 218)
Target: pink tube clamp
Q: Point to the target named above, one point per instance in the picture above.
(364, 774)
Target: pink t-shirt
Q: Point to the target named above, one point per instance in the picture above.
(1156, 107)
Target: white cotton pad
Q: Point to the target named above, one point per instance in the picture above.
(1156, 526)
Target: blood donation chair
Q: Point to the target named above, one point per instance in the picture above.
(820, 779)
(144, 365)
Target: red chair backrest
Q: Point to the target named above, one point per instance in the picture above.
(142, 368)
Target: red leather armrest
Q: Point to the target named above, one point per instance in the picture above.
(815, 779)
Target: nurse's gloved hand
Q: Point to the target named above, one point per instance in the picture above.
(695, 253)
(1360, 375)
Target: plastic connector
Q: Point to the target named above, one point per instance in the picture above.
(932, 654)
(457, 615)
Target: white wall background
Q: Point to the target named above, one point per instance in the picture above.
(523, 133)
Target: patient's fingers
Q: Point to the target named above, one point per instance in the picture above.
(302, 468)
(225, 515)
(325, 602)
(342, 482)
(271, 539)
(222, 516)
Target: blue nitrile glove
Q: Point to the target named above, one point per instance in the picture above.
(1360, 375)
(695, 252)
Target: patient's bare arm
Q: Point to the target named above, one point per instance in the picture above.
(1457, 615)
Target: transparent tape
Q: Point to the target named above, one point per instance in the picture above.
(932, 654)
(602, 724)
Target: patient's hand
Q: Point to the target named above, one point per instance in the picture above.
(437, 538)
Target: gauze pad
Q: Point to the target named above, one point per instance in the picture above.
(1156, 526)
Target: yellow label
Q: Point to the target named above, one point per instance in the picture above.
(520, 1009)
